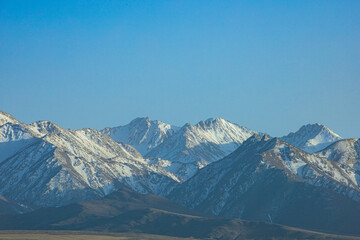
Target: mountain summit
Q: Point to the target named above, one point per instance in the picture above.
(7, 118)
(43, 164)
(193, 147)
(142, 133)
(346, 153)
(312, 137)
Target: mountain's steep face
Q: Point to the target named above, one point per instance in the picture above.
(347, 154)
(270, 180)
(45, 165)
(142, 133)
(312, 137)
(194, 147)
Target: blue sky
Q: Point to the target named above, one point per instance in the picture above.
(269, 65)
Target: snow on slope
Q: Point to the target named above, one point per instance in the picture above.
(347, 154)
(142, 133)
(52, 166)
(312, 137)
(193, 147)
(13, 138)
(264, 176)
(7, 118)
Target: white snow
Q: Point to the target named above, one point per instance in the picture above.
(59, 166)
(193, 147)
(312, 137)
(142, 133)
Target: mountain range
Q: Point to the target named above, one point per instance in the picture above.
(193, 147)
(270, 180)
(182, 151)
(307, 179)
(43, 164)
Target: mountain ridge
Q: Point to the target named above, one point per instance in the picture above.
(266, 180)
(193, 147)
(346, 153)
(312, 137)
(142, 133)
(46, 165)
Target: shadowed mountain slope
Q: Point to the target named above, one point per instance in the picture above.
(10, 207)
(270, 180)
(127, 211)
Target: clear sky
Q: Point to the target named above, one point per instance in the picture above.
(271, 66)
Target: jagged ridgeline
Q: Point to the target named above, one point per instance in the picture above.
(270, 180)
(42, 164)
(307, 179)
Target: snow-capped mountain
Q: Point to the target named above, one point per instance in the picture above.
(193, 147)
(142, 133)
(45, 165)
(312, 137)
(13, 138)
(270, 180)
(347, 154)
(7, 118)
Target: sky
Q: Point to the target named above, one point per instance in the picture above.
(271, 66)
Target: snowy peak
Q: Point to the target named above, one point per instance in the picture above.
(347, 154)
(14, 137)
(7, 118)
(45, 127)
(269, 173)
(278, 154)
(211, 122)
(142, 133)
(13, 132)
(219, 131)
(312, 137)
(58, 166)
(193, 147)
(343, 151)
